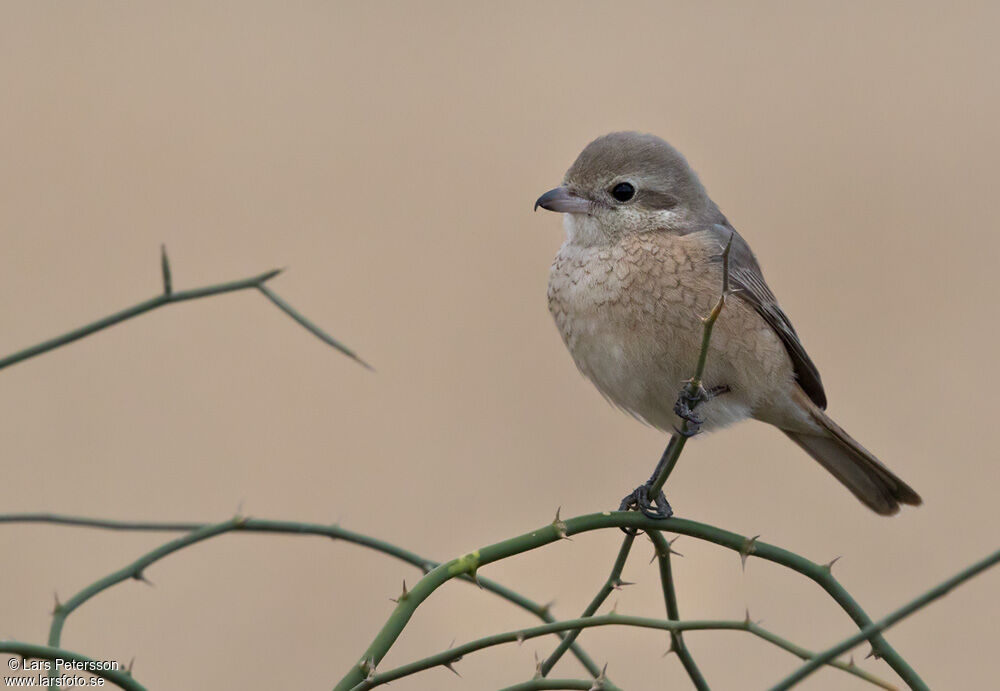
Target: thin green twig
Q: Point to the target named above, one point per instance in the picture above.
(543, 684)
(806, 654)
(119, 678)
(867, 631)
(309, 326)
(167, 297)
(134, 570)
(256, 525)
(677, 645)
(613, 582)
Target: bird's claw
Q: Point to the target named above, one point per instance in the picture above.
(657, 508)
(685, 409)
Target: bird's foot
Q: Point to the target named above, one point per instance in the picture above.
(656, 508)
(688, 401)
(685, 406)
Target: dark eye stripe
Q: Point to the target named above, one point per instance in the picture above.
(658, 200)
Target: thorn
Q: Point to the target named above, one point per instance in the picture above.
(538, 667)
(746, 620)
(872, 653)
(829, 565)
(600, 679)
(367, 665)
(238, 518)
(546, 609)
(168, 288)
(520, 637)
(335, 526)
(850, 661)
(58, 605)
(619, 584)
(670, 546)
(449, 663)
(670, 550)
(128, 670)
(405, 594)
(614, 608)
(560, 526)
(141, 576)
(748, 548)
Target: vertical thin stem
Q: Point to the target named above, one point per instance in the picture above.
(677, 644)
(614, 581)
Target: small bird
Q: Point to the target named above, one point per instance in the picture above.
(641, 266)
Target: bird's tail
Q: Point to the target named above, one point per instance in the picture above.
(856, 468)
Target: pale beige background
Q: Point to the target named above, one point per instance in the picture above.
(389, 153)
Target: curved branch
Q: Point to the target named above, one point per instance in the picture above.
(541, 684)
(132, 571)
(167, 297)
(866, 632)
(120, 679)
(470, 563)
(254, 525)
(806, 654)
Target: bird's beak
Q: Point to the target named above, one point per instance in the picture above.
(562, 200)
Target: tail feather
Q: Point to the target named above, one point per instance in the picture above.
(856, 468)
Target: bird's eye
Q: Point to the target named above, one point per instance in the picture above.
(623, 191)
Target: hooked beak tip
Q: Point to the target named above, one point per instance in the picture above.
(562, 200)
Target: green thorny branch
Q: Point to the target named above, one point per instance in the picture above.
(466, 568)
(196, 532)
(364, 675)
(168, 296)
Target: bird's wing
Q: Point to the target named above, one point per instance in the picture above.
(746, 277)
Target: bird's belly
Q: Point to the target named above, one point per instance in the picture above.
(637, 342)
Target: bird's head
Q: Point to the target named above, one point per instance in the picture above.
(625, 183)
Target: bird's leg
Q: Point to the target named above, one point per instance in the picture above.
(658, 507)
(639, 499)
